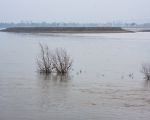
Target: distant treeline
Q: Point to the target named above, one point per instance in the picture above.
(45, 24)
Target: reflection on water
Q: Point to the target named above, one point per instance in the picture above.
(50, 80)
(61, 78)
(55, 77)
(147, 84)
(53, 90)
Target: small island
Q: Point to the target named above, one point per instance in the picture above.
(146, 30)
(66, 30)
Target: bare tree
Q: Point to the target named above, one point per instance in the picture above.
(61, 61)
(44, 61)
(57, 61)
(146, 71)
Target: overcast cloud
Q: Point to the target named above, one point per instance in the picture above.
(75, 10)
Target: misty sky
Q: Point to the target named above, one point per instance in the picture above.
(75, 10)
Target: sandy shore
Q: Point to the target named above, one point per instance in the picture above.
(66, 30)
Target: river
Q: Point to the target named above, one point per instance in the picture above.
(105, 83)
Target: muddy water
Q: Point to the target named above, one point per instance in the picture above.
(100, 86)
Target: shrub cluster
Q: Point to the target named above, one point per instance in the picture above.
(146, 71)
(50, 61)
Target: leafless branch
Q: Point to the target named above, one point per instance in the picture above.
(61, 61)
(44, 61)
(146, 71)
(57, 61)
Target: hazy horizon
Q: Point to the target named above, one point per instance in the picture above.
(82, 11)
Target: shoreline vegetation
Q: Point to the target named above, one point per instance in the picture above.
(66, 30)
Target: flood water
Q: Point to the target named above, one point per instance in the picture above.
(100, 86)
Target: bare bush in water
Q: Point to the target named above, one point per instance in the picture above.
(146, 71)
(61, 61)
(44, 61)
(54, 61)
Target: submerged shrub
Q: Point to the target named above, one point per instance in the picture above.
(61, 61)
(146, 71)
(53, 61)
(44, 61)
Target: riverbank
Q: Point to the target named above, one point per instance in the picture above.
(145, 30)
(66, 30)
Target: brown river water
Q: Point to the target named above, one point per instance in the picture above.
(100, 86)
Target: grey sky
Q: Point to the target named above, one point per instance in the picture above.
(75, 10)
